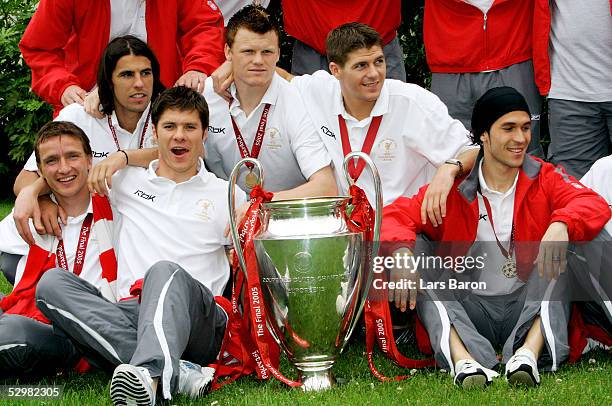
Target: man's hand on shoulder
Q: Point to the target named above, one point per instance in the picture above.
(92, 104)
(434, 201)
(284, 74)
(193, 79)
(73, 94)
(43, 212)
(102, 173)
(222, 79)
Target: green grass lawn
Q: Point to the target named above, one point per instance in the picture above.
(587, 383)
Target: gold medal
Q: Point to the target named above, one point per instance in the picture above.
(509, 268)
(251, 180)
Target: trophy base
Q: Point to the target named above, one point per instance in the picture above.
(316, 375)
(316, 381)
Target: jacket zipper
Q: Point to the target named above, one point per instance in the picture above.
(484, 28)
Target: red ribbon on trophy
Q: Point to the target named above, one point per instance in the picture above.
(379, 327)
(248, 346)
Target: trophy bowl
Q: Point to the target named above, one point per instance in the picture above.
(314, 280)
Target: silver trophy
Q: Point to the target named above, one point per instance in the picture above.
(312, 273)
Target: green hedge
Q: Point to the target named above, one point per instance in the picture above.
(22, 113)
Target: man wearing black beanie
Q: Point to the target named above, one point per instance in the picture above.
(517, 214)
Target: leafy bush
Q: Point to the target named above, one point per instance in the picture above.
(410, 35)
(22, 113)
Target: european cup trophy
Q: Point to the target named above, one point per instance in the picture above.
(313, 274)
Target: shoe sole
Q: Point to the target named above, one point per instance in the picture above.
(474, 382)
(521, 378)
(205, 390)
(128, 389)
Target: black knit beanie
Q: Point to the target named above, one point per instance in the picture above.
(492, 105)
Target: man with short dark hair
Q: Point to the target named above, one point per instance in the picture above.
(174, 212)
(405, 129)
(508, 200)
(309, 22)
(265, 118)
(28, 344)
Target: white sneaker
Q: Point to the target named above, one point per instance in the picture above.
(522, 369)
(594, 344)
(470, 374)
(194, 380)
(132, 385)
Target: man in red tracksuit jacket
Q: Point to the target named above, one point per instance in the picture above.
(474, 45)
(516, 201)
(65, 39)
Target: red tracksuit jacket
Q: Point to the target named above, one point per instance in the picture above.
(544, 194)
(65, 39)
(459, 38)
(309, 21)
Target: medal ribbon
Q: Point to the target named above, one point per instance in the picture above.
(142, 135)
(368, 143)
(259, 136)
(507, 254)
(79, 258)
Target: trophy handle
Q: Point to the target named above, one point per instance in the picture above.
(378, 206)
(231, 200)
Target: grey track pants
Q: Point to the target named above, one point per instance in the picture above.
(580, 134)
(29, 347)
(486, 322)
(591, 272)
(176, 319)
(8, 265)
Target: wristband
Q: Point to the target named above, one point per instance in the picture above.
(127, 161)
(455, 162)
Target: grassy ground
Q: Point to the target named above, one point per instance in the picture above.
(588, 383)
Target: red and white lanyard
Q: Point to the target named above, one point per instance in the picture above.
(368, 143)
(259, 135)
(142, 135)
(79, 258)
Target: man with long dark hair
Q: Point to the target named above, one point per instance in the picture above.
(128, 79)
(64, 40)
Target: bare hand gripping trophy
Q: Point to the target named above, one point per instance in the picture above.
(312, 274)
